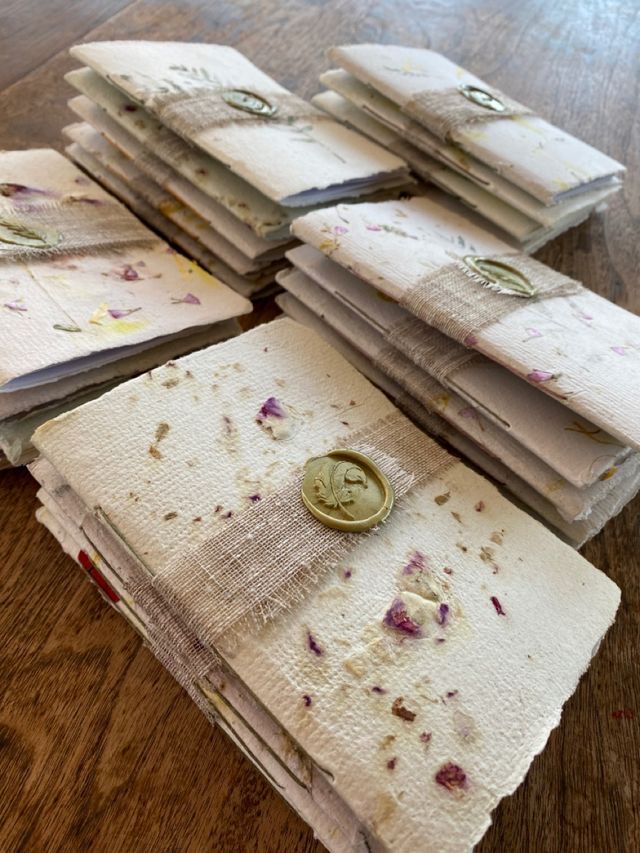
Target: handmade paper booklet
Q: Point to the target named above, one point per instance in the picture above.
(454, 129)
(88, 295)
(307, 562)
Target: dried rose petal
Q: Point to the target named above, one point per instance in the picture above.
(452, 777)
(255, 498)
(340, 229)
(128, 273)
(397, 618)
(425, 737)
(416, 563)
(15, 306)
(497, 606)
(307, 700)
(271, 408)
(373, 228)
(399, 710)
(379, 690)
(117, 313)
(619, 350)
(313, 644)
(443, 614)
(189, 299)
(9, 190)
(391, 763)
(539, 376)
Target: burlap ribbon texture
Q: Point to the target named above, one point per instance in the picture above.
(445, 111)
(265, 560)
(460, 303)
(72, 225)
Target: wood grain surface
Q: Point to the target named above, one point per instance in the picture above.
(99, 748)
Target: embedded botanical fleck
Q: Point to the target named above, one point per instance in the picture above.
(16, 305)
(307, 700)
(425, 738)
(457, 516)
(416, 563)
(161, 432)
(170, 515)
(480, 506)
(314, 645)
(379, 690)
(274, 418)
(356, 665)
(387, 741)
(452, 777)
(391, 763)
(171, 383)
(443, 614)
(497, 606)
(187, 299)
(442, 499)
(398, 618)
(398, 709)
(487, 554)
(497, 536)
(464, 725)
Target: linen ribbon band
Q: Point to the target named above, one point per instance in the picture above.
(195, 110)
(69, 226)
(460, 303)
(444, 111)
(432, 351)
(267, 559)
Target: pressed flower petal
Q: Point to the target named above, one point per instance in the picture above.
(15, 306)
(116, 313)
(539, 376)
(188, 299)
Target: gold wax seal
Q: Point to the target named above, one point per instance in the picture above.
(249, 102)
(19, 234)
(499, 276)
(346, 490)
(481, 97)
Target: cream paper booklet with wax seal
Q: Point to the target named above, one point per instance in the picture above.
(383, 671)
(575, 532)
(216, 99)
(579, 451)
(438, 100)
(563, 339)
(528, 226)
(595, 504)
(103, 297)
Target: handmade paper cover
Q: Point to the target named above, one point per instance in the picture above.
(411, 731)
(543, 160)
(576, 532)
(575, 448)
(525, 232)
(97, 306)
(571, 502)
(412, 138)
(580, 348)
(294, 156)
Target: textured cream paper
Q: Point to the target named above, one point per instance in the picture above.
(413, 141)
(575, 448)
(165, 203)
(221, 220)
(555, 609)
(543, 160)
(143, 287)
(301, 162)
(170, 231)
(36, 405)
(583, 350)
(526, 233)
(572, 503)
(576, 532)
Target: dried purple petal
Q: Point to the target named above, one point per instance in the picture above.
(399, 710)
(117, 313)
(451, 694)
(397, 618)
(130, 108)
(479, 507)
(416, 563)
(497, 606)
(443, 614)
(188, 299)
(373, 228)
(379, 690)
(391, 763)
(340, 229)
(452, 777)
(128, 273)
(425, 737)
(15, 306)
(619, 350)
(308, 701)
(271, 408)
(539, 376)
(10, 190)
(313, 644)
(255, 498)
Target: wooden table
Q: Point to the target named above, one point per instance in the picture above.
(99, 748)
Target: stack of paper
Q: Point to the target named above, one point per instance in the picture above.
(368, 690)
(215, 153)
(88, 296)
(526, 176)
(547, 386)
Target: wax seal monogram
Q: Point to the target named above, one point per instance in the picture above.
(19, 234)
(346, 490)
(481, 97)
(499, 276)
(249, 102)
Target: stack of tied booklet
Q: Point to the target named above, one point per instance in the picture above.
(215, 154)
(88, 296)
(526, 176)
(521, 368)
(386, 636)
